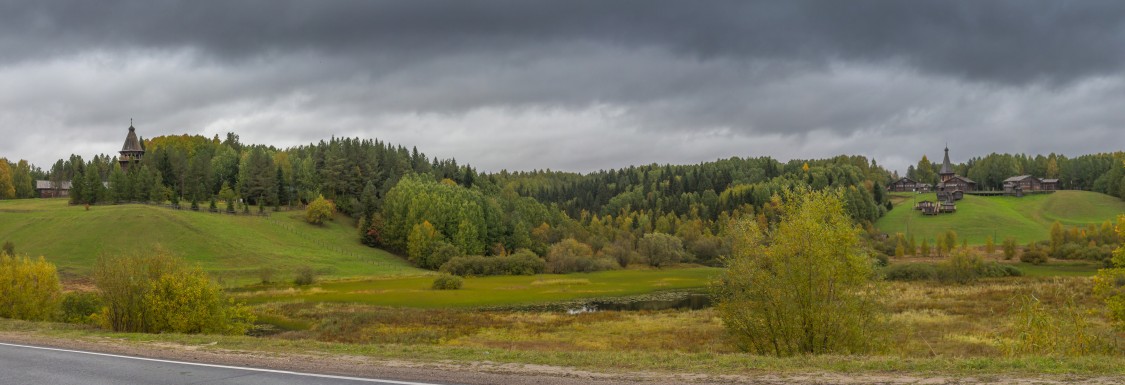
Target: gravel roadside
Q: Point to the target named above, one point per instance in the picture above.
(474, 373)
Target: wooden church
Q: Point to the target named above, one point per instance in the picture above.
(133, 150)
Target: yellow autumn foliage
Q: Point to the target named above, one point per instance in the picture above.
(29, 289)
(159, 293)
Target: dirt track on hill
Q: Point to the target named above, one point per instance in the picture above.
(502, 373)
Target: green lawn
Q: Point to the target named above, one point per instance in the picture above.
(1026, 219)
(493, 291)
(234, 248)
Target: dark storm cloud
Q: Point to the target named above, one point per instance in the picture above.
(550, 84)
(999, 41)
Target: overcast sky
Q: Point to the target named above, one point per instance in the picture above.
(570, 85)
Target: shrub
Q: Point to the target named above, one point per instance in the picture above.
(1095, 253)
(29, 289)
(1036, 328)
(621, 251)
(1066, 250)
(570, 256)
(881, 260)
(884, 244)
(305, 276)
(707, 250)
(80, 307)
(448, 282)
(787, 296)
(997, 270)
(442, 252)
(523, 262)
(962, 267)
(1109, 284)
(928, 271)
(265, 274)
(158, 293)
(1033, 254)
(319, 211)
(910, 272)
(1009, 248)
(1090, 252)
(8, 248)
(661, 249)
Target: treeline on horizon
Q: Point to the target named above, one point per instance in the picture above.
(433, 210)
(1101, 172)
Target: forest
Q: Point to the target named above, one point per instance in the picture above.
(433, 210)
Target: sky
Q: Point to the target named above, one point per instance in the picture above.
(570, 85)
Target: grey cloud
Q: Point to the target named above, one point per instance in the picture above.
(546, 84)
(999, 41)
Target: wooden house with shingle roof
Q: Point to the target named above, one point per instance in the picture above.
(903, 184)
(1017, 185)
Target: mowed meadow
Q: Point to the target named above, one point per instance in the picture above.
(233, 248)
(1026, 219)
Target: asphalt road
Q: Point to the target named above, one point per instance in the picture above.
(30, 365)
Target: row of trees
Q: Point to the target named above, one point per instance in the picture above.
(195, 168)
(17, 180)
(1095, 172)
(708, 188)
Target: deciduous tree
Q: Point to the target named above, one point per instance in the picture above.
(7, 188)
(788, 293)
(319, 211)
(661, 249)
(29, 289)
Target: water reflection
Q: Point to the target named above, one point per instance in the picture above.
(687, 302)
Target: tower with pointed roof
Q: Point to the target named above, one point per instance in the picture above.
(946, 173)
(132, 151)
(952, 186)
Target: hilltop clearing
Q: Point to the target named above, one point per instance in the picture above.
(1026, 219)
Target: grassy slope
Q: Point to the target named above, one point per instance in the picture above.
(1026, 219)
(232, 247)
(494, 291)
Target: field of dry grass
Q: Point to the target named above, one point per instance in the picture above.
(924, 320)
(932, 329)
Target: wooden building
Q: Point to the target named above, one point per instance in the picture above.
(133, 150)
(48, 189)
(1049, 184)
(903, 184)
(959, 183)
(948, 207)
(1017, 185)
(925, 206)
(952, 186)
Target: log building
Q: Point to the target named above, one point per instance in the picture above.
(133, 150)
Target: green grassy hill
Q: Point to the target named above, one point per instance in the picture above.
(1026, 219)
(233, 248)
